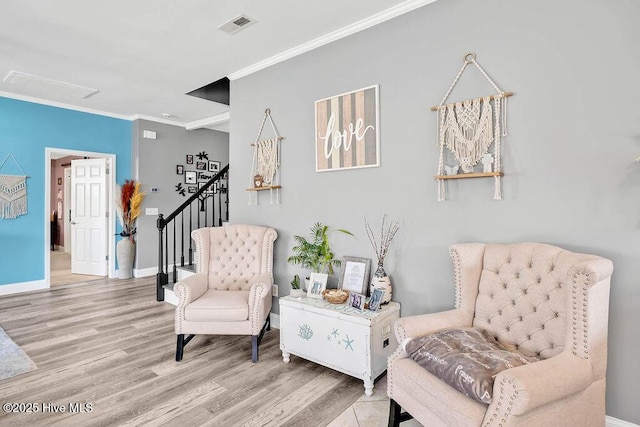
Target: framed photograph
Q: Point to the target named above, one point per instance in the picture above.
(347, 132)
(317, 284)
(201, 166)
(355, 274)
(208, 190)
(356, 301)
(179, 169)
(376, 299)
(190, 177)
(189, 159)
(214, 166)
(192, 189)
(59, 181)
(204, 176)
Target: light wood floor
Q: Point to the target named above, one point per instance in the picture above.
(110, 344)
(60, 264)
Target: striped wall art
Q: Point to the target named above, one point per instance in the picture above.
(347, 131)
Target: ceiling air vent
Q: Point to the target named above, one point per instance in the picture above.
(42, 87)
(236, 24)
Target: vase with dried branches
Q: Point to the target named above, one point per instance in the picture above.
(129, 199)
(380, 278)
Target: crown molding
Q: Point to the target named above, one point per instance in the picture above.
(217, 119)
(363, 24)
(62, 105)
(156, 119)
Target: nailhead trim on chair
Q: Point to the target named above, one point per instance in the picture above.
(580, 344)
(457, 276)
(390, 360)
(256, 324)
(504, 413)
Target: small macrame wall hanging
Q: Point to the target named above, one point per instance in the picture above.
(466, 132)
(13, 192)
(265, 167)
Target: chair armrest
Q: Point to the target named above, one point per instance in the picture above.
(540, 383)
(190, 288)
(423, 324)
(260, 301)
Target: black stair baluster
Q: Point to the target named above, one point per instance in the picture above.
(190, 230)
(182, 239)
(161, 277)
(175, 264)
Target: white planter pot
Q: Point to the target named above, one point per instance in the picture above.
(296, 293)
(125, 251)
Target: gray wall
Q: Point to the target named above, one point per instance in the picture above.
(570, 179)
(155, 162)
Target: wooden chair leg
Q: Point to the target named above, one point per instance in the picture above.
(179, 347)
(395, 414)
(254, 348)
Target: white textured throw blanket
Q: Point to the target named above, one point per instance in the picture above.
(13, 196)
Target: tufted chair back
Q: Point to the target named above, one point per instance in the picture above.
(234, 256)
(526, 293)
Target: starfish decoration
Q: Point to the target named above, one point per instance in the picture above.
(335, 333)
(348, 343)
(202, 155)
(180, 189)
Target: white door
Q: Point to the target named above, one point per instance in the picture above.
(89, 216)
(66, 216)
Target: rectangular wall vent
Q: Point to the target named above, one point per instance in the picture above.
(236, 24)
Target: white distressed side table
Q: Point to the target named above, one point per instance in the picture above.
(338, 336)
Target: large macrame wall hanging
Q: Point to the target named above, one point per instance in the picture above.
(466, 132)
(13, 192)
(265, 168)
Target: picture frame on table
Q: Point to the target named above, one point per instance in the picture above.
(354, 276)
(317, 284)
(214, 166)
(189, 159)
(376, 299)
(190, 177)
(179, 169)
(356, 300)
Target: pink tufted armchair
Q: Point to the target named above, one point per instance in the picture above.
(539, 300)
(230, 294)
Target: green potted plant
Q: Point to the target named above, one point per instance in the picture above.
(315, 253)
(296, 291)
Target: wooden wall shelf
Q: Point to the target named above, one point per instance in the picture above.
(469, 175)
(264, 187)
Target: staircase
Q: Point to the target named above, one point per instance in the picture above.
(204, 208)
(182, 272)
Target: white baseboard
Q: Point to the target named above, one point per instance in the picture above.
(14, 288)
(145, 272)
(614, 422)
(275, 320)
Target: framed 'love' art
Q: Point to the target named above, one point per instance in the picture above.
(347, 131)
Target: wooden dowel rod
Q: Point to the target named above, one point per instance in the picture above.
(279, 138)
(505, 95)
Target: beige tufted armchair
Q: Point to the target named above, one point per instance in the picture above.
(230, 294)
(535, 299)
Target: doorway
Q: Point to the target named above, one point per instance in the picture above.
(58, 261)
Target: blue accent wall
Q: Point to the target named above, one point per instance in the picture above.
(25, 130)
